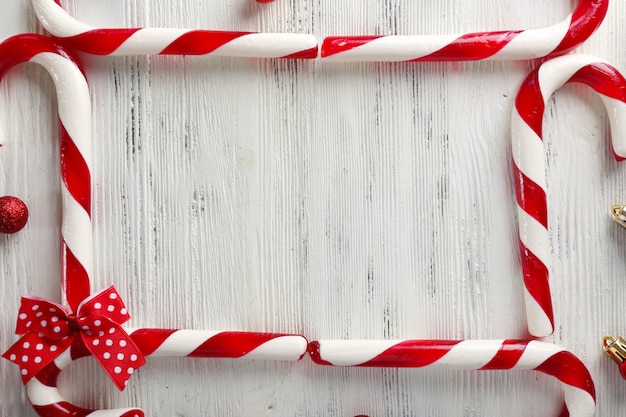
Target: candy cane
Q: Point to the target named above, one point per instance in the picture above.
(529, 166)
(502, 45)
(143, 41)
(75, 144)
(468, 355)
(48, 401)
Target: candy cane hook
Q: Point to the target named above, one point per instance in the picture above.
(48, 401)
(468, 355)
(167, 41)
(501, 45)
(529, 166)
(75, 143)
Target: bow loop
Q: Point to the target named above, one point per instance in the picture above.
(107, 303)
(33, 352)
(48, 330)
(43, 316)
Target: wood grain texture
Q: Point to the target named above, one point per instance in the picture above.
(332, 200)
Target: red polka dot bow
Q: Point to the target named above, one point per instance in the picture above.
(49, 330)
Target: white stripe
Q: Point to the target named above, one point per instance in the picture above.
(535, 354)
(395, 48)
(149, 41)
(528, 150)
(539, 324)
(287, 348)
(617, 118)
(64, 359)
(73, 99)
(183, 342)
(534, 236)
(77, 230)
(535, 43)
(470, 354)
(579, 402)
(353, 352)
(40, 394)
(266, 45)
(554, 74)
(56, 20)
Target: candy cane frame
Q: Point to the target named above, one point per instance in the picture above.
(75, 126)
(48, 401)
(74, 107)
(146, 41)
(529, 166)
(501, 45)
(468, 355)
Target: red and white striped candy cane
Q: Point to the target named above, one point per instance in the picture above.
(75, 143)
(48, 401)
(501, 45)
(468, 355)
(168, 41)
(529, 166)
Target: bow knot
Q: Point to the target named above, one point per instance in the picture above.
(48, 330)
(72, 322)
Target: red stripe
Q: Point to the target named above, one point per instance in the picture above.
(314, 351)
(536, 280)
(21, 48)
(231, 344)
(148, 340)
(412, 354)
(568, 369)
(529, 103)
(507, 357)
(74, 171)
(61, 409)
(78, 349)
(588, 15)
(531, 197)
(75, 280)
(200, 42)
(472, 47)
(49, 375)
(99, 41)
(337, 44)
(133, 413)
(604, 79)
(306, 54)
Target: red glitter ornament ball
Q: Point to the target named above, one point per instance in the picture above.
(13, 214)
(265, 1)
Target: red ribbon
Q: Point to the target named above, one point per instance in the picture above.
(48, 330)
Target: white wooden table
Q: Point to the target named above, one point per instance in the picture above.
(332, 200)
